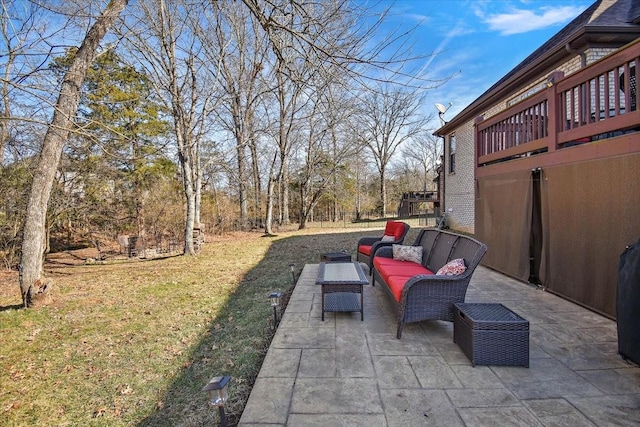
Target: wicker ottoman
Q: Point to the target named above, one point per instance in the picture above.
(335, 257)
(491, 334)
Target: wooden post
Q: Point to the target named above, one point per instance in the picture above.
(553, 109)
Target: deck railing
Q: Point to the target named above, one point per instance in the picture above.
(427, 196)
(596, 103)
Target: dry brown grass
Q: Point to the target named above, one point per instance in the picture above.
(133, 342)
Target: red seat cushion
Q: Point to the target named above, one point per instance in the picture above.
(396, 284)
(380, 261)
(395, 273)
(364, 249)
(393, 267)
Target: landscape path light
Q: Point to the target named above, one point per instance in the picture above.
(218, 394)
(292, 267)
(274, 298)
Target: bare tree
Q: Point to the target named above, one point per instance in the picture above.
(57, 134)
(340, 111)
(288, 101)
(389, 116)
(329, 37)
(171, 54)
(316, 166)
(425, 149)
(238, 47)
(326, 149)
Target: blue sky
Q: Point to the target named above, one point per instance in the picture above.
(478, 41)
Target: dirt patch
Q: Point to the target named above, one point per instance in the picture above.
(10, 280)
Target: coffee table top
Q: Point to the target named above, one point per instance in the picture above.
(342, 273)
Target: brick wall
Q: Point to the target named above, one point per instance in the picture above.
(459, 190)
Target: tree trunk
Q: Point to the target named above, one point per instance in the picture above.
(257, 186)
(187, 177)
(269, 218)
(140, 214)
(334, 177)
(6, 110)
(383, 191)
(283, 185)
(242, 186)
(197, 183)
(303, 210)
(268, 222)
(358, 200)
(303, 220)
(33, 240)
(139, 192)
(285, 191)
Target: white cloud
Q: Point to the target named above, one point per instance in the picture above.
(418, 18)
(522, 20)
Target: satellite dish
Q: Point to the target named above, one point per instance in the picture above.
(441, 108)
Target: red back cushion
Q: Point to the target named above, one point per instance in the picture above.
(395, 229)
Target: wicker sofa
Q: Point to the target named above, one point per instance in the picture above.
(418, 291)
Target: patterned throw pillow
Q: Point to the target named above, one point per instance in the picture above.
(407, 253)
(452, 268)
(387, 238)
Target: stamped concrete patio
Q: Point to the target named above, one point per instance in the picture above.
(344, 372)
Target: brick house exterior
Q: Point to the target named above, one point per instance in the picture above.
(459, 195)
(541, 162)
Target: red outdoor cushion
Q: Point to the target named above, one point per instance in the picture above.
(396, 284)
(381, 263)
(393, 267)
(364, 249)
(395, 273)
(394, 228)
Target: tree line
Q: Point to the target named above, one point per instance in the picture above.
(157, 117)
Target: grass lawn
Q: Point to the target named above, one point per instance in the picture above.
(132, 342)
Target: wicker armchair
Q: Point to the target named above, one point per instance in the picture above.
(394, 233)
(430, 296)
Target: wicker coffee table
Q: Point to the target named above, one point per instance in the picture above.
(341, 284)
(491, 334)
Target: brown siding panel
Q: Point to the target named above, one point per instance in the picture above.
(591, 211)
(503, 222)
